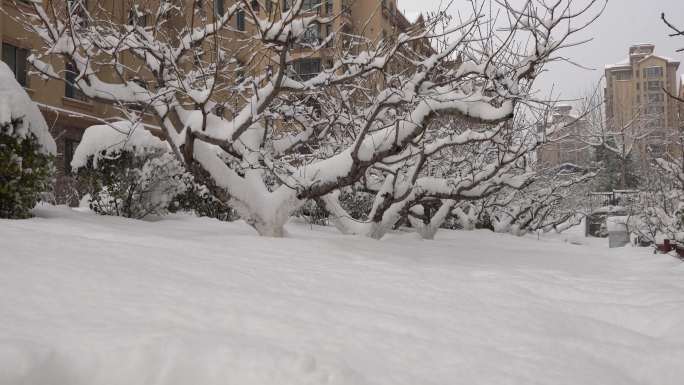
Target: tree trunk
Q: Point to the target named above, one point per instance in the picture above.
(269, 229)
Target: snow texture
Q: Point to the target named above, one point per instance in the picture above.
(15, 104)
(186, 300)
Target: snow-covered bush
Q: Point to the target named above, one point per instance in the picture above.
(312, 213)
(25, 173)
(356, 203)
(26, 150)
(128, 171)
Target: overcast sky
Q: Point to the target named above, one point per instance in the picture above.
(624, 23)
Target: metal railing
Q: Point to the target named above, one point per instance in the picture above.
(613, 198)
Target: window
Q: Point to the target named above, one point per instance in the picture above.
(654, 85)
(541, 133)
(655, 124)
(137, 18)
(79, 9)
(656, 98)
(653, 72)
(68, 154)
(311, 36)
(219, 7)
(329, 7)
(623, 75)
(239, 75)
(656, 150)
(286, 5)
(16, 60)
(310, 5)
(219, 110)
(346, 7)
(240, 18)
(70, 88)
(255, 5)
(655, 110)
(328, 33)
(307, 68)
(638, 86)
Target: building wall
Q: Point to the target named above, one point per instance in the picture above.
(564, 145)
(637, 100)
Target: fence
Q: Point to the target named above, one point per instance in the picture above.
(612, 198)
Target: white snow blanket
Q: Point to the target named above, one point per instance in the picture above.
(15, 104)
(94, 300)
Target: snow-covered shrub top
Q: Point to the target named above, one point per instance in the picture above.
(109, 139)
(16, 106)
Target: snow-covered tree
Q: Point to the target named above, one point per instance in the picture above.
(551, 202)
(659, 211)
(445, 169)
(265, 139)
(26, 149)
(617, 142)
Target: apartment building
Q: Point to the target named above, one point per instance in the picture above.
(355, 20)
(636, 101)
(564, 147)
(68, 112)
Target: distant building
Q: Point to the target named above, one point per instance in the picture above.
(635, 97)
(563, 147)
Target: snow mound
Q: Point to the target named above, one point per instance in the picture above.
(15, 104)
(109, 139)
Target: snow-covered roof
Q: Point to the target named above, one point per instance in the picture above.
(627, 63)
(622, 63)
(15, 104)
(667, 59)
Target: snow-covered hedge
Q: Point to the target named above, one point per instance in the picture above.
(129, 171)
(26, 149)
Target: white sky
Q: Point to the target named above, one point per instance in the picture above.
(624, 23)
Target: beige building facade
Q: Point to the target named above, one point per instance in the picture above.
(636, 100)
(564, 147)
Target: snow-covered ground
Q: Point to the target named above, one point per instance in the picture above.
(99, 300)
